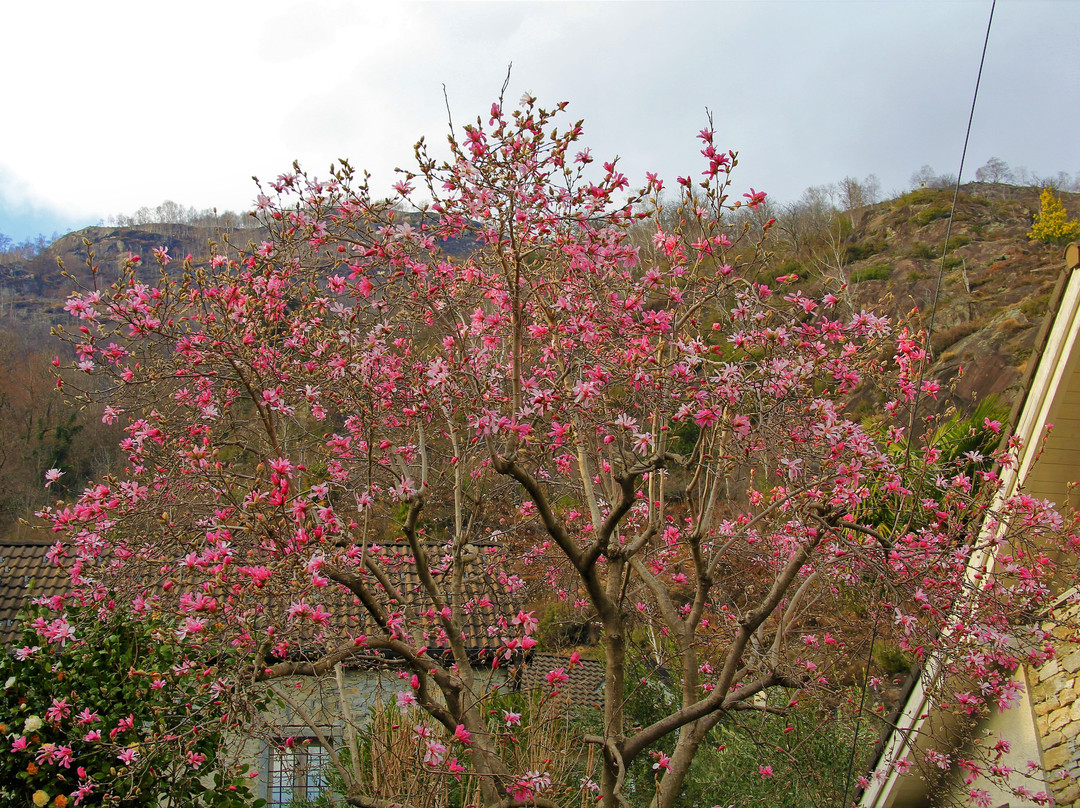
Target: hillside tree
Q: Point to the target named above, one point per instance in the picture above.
(995, 170)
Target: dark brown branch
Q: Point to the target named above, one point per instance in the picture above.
(356, 585)
(761, 708)
(884, 541)
(554, 528)
(719, 698)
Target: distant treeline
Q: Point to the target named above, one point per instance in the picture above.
(11, 250)
(998, 171)
(167, 213)
(816, 202)
(170, 212)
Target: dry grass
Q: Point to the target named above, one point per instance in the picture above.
(391, 755)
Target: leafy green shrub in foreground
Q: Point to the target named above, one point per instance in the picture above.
(104, 710)
(777, 761)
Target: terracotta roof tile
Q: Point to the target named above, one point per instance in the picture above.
(25, 572)
(586, 678)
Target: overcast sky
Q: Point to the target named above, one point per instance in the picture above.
(113, 105)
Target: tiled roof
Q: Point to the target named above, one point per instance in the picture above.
(25, 572)
(586, 677)
(350, 618)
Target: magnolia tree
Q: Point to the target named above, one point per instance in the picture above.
(388, 428)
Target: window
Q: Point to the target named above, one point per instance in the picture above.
(297, 775)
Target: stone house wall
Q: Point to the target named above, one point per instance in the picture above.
(1055, 695)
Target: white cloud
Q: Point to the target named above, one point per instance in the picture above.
(117, 104)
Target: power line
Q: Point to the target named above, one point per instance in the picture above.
(919, 378)
(948, 233)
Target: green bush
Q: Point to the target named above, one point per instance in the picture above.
(877, 272)
(858, 252)
(1035, 306)
(920, 196)
(123, 679)
(807, 760)
(808, 756)
(953, 261)
(892, 660)
(686, 435)
(787, 269)
(920, 250)
(924, 217)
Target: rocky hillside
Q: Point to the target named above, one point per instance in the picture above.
(995, 288)
(34, 290)
(994, 291)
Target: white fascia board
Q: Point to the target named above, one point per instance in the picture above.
(1049, 374)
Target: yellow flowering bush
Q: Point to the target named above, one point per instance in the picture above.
(1052, 224)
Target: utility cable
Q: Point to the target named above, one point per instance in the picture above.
(945, 246)
(922, 365)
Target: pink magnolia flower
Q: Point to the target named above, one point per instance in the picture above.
(527, 621)
(529, 785)
(53, 475)
(755, 197)
(282, 466)
(557, 677)
(741, 425)
(87, 717)
(85, 790)
(434, 754)
(64, 756)
(58, 631)
(60, 709)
